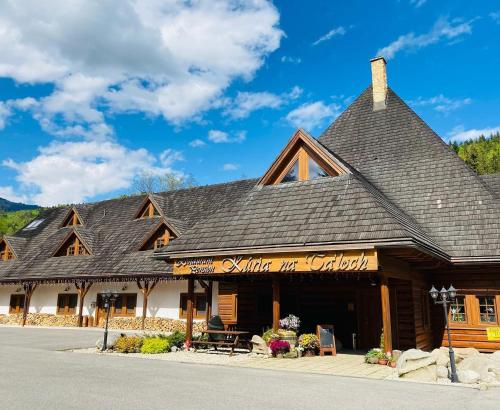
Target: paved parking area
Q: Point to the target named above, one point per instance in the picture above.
(37, 375)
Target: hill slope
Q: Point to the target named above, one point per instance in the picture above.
(8, 206)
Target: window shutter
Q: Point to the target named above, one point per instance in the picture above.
(228, 303)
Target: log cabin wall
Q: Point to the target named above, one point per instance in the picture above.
(471, 282)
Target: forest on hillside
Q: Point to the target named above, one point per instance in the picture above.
(482, 154)
(11, 222)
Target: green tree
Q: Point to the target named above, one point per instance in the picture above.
(482, 154)
(11, 222)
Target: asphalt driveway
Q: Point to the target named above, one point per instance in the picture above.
(37, 373)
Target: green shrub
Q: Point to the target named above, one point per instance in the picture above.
(177, 339)
(155, 345)
(128, 344)
(270, 334)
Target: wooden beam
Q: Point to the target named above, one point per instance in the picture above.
(29, 288)
(386, 313)
(189, 318)
(82, 289)
(146, 287)
(208, 292)
(276, 302)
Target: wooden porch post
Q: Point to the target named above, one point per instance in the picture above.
(276, 302)
(146, 288)
(386, 313)
(189, 318)
(29, 288)
(209, 291)
(82, 289)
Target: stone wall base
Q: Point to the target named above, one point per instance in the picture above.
(152, 324)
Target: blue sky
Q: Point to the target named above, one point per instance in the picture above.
(93, 93)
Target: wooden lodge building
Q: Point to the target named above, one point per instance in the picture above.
(350, 229)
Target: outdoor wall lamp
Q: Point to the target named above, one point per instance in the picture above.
(108, 298)
(446, 295)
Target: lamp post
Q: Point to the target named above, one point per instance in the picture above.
(446, 295)
(108, 296)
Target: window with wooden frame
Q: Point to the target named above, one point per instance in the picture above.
(72, 219)
(6, 253)
(474, 310)
(199, 307)
(302, 167)
(16, 304)
(458, 310)
(124, 305)
(148, 210)
(66, 303)
(159, 239)
(72, 247)
(487, 310)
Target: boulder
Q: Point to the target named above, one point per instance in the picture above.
(442, 356)
(259, 345)
(414, 359)
(464, 352)
(442, 372)
(110, 342)
(396, 354)
(496, 355)
(423, 374)
(468, 376)
(483, 365)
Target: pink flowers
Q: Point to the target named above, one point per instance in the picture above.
(279, 347)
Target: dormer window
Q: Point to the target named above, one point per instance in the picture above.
(72, 219)
(158, 239)
(6, 253)
(73, 246)
(303, 159)
(148, 210)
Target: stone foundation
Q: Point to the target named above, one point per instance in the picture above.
(162, 325)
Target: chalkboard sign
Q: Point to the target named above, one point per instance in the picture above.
(326, 336)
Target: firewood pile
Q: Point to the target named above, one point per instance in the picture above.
(162, 325)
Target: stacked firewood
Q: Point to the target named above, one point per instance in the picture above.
(161, 325)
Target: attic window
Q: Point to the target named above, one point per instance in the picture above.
(148, 211)
(158, 240)
(72, 247)
(304, 167)
(6, 253)
(33, 224)
(72, 219)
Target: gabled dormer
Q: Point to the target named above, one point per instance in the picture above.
(303, 159)
(159, 237)
(148, 209)
(73, 245)
(6, 251)
(72, 218)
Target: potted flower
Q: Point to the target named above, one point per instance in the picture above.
(279, 347)
(382, 358)
(289, 326)
(391, 360)
(372, 356)
(309, 343)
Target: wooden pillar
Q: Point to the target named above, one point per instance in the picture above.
(146, 287)
(82, 289)
(276, 302)
(29, 288)
(209, 291)
(386, 313)
(189, 318)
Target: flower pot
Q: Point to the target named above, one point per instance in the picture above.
(290, 338)
(372, 360)
(392, 364)
(383, 362)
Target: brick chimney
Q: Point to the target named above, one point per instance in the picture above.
(379, 83)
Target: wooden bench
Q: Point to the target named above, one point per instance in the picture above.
(231, 339)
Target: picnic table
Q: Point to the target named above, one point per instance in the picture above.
(224, 338)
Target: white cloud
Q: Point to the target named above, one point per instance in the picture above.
(337, 31)
(197, 143)
(169, 58)
(170, 156)
(230, 167)
(442, 30)
(221, 137)
(247, 102)
(70, 171)
(7, 108)
(311, 115)
(5, 113)
(418, 3)
(459, 133)
(7, 192)
(291, 60)
(441, 103)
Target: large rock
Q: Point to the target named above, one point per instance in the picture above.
(423, 374)
(468, 376)
(483, 365)
(259, 345)
(442, 372)
(110, 342)
(464, 352)
(414, 359)
(442, 356)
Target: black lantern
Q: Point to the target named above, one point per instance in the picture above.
(108, 297)
(446, 295)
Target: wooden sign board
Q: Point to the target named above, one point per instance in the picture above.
(338, 261)
(326, 336)
(493, 333)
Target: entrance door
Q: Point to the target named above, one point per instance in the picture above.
(369, 318)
